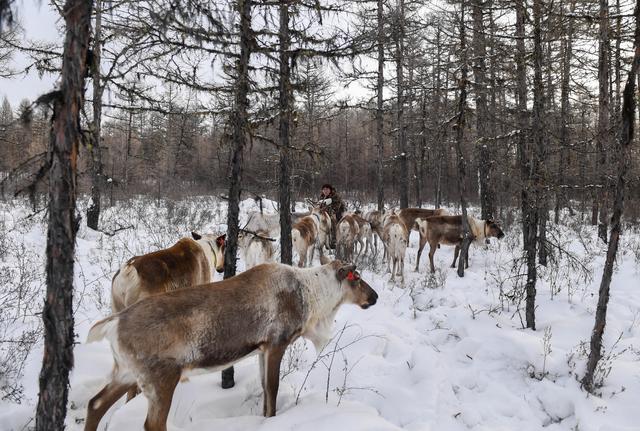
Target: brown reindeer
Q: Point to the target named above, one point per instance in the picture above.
(260, 311)
(313, 232)
(187, 263)
(447, 230)
(411, 216)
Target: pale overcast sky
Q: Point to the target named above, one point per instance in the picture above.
(39, 20)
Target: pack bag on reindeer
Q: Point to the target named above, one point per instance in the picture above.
(333, 204)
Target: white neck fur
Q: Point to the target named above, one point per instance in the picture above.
(207, 248)
(323, 294)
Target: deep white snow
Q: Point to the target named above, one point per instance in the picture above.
(437, 353)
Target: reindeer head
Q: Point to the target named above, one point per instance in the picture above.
(357, 291)
(217, 244)
(492, 228)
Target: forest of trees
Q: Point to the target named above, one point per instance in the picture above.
(164, 128)
(500, 104)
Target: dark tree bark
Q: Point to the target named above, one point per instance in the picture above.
(239, 122)
(63, 224)
(618, 63)
(286, 253)
(421, 149)
(567, 54)
(460, 124)
(538, 133)
(95, 153)
(527, 195)
(440, 159)
(603, 136)
(379, 107)
(400, 114)
(623, 152)
(485, 162)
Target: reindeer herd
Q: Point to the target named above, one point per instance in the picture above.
(170, 319)
(357, 234)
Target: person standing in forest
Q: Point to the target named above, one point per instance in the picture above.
(332, 202)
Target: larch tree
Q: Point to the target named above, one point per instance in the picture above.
(527, 192)
(483, 142)
(95, 153)
(63, 222)
(467, 236)
(284, 118)
(624, 156)
(240, 125)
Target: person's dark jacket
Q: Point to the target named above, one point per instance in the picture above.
(336, 207)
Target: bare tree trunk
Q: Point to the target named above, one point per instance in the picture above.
(603, 135)
(422, 148)
(567, 51)
(436, 110)
(379, 107)
(485, 154)
(239, 122)
(63, 224)
(538, 132)
(460, 124)
(402, 132)
(286, 253)
(618, 62)
(623, 152)
(95, 153)
(527, 196)
(128, 148)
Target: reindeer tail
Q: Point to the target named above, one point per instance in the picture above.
(105, 328)
(295, 236)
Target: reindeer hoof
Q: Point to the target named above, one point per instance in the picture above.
(227, 378)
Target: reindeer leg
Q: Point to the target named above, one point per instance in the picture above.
(101, 403)
(393, 269)
(273, 357)
(159, 391)
(423, 241)
(375, 245)
(455, 256)
(432, 251)
(262, 375)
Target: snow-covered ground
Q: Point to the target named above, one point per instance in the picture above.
(435, 353)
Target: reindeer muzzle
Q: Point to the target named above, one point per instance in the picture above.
(371, 300)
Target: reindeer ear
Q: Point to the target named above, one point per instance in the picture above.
(220, 240)
(196, 236)
(345, 270)
(324, 260)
